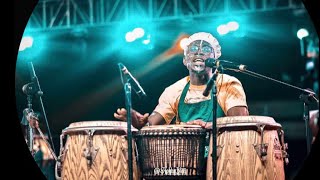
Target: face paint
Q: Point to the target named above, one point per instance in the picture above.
(188, 65)
(197, 53)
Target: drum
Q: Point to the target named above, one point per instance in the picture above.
(171, 151)
(96, 150)
(248, 147)
(40, 145)
(43, 156)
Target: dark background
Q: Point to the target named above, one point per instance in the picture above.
(81, 82)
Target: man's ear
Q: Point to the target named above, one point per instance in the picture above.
(184, 61)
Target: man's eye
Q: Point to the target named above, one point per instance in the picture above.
(206, 49)
(193, 48)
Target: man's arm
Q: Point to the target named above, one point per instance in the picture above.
(238, 111)
(234, 111)
(156, 119)
(139, 120)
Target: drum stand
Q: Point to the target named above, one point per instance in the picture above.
(306, 96)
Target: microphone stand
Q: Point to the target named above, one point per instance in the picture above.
(128, 102)
(306, 102)
(214, 124)
(305, 97)
(30, 90)
(28, 129)
(212, 83)
(127, 89)
(39, 93)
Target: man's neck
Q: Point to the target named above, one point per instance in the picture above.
(199, 79)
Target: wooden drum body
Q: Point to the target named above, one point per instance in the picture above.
(248, 147)
(96, 150)
(40, 145)
(171, 151)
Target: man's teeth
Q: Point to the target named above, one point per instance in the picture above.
(197, 60)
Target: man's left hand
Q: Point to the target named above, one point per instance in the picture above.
(201, 123)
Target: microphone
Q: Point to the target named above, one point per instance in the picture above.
(136, 86)
(33, 87)
(208, 87)
(29, 89)
(210, 62)
(210, 83)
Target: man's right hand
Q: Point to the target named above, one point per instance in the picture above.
(138, 120)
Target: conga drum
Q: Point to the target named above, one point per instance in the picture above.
(39, 144)
(171, 151)
(43, 156)
(96, 150)
(248, 148)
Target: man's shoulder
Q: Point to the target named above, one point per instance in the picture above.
(226, 78)
(179, 84)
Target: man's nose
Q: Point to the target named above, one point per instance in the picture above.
(199, 51)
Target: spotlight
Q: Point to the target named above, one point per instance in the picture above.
(26, 42)
(302, 33)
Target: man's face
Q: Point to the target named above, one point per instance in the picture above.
(198, 51)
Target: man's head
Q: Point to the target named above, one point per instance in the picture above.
(199, 47)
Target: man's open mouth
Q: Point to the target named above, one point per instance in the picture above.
(198, 60)
(198, 64)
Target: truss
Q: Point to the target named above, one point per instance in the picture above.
(64, 14)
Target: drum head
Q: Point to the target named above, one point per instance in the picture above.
(99, 125)
(174, 126)
(231, 121)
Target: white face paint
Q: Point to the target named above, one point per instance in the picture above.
(188, 65)
(197, 53)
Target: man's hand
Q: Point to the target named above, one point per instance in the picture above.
(138, 120)
(201, 123)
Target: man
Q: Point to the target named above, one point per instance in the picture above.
(184, 99)
(308, 167)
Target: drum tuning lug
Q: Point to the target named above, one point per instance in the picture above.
(90, 154)
(263, 158)
(62, 156)
(285, 154)
(284, 148)
(261, 150)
